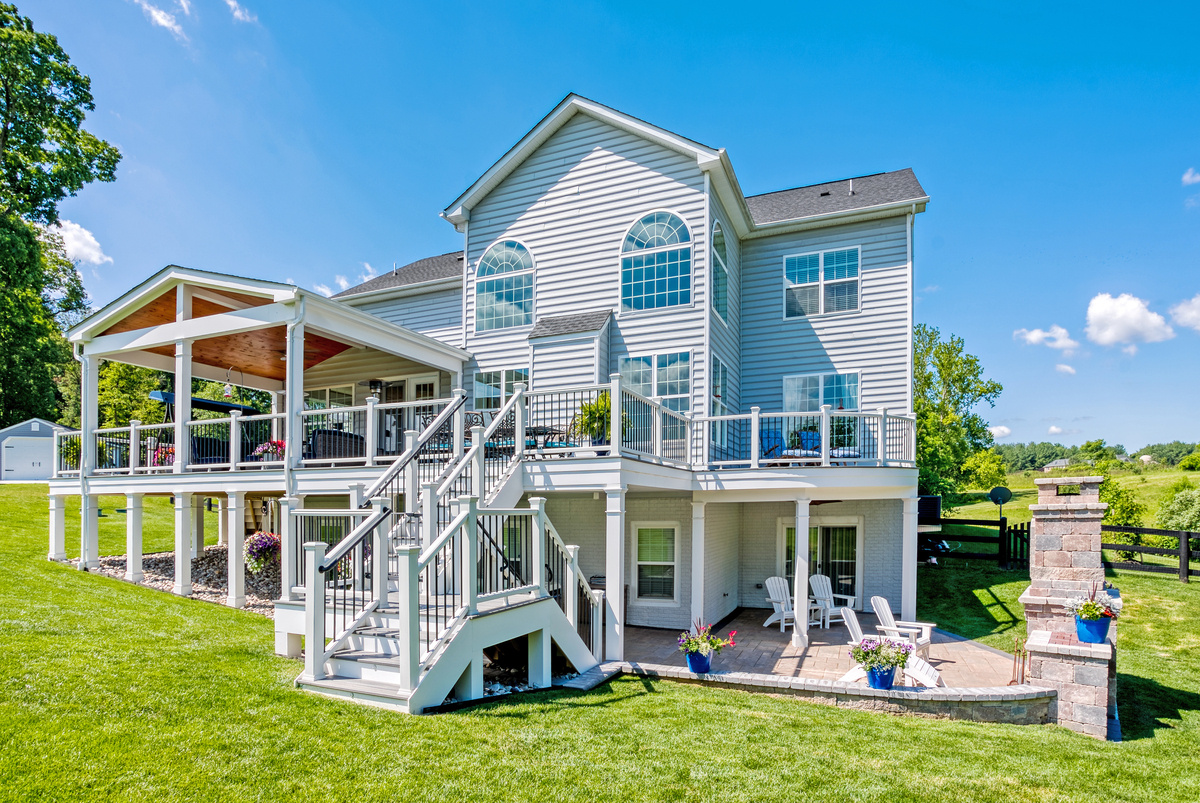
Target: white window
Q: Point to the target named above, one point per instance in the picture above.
(720, 404)
(656, 264)
(664, 375)
(657, 554)
(494, 388)
(820, 283)
(720, 273)
(327, 398)
(506, 300)
(806, 393)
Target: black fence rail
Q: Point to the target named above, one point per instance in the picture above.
(1011, 542)
(1184, 550)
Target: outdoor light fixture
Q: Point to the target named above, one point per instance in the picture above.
(376, 386)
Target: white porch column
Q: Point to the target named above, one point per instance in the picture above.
(614, 569)
(294, 395)
(133, 538)
(698, 565)
(183, 403)
(58, 527)
(235, 515)
(800, 566)
(183, 544)
(89, 532)
(908, 561)
(289, 552)
(198, 526)
(222, 523)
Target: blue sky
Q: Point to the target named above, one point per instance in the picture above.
(1060, 144)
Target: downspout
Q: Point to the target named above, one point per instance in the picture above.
(466, 270)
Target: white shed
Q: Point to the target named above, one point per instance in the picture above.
(27, 450)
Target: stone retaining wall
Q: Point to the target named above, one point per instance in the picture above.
(1085, 676)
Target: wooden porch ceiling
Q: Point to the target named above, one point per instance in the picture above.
(162, 309)
(261, 352)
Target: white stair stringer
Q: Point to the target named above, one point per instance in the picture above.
(509, 489)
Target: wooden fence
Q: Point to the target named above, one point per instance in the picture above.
(1182, 551)
(1011, 541)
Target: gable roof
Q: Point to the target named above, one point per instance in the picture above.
(571, 324)
(429, 269)
(874, 190)
(50, 426)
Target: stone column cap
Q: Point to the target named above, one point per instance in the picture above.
(1040, 642)
(1067, 480)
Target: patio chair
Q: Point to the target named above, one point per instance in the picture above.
(917, 671)
(918, 634)
(780, 597)
(824, 599)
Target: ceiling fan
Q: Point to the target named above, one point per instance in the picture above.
(377, 385)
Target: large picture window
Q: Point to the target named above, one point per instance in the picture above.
(806, 393)
(656, 264)
(664, 375)
(720, 273)
(656, 562)
(820, 283)
(507, 299)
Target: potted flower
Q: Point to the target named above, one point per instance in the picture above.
(880, 657)
(262, 550)
(163, 456)
(271, 450)
(1093, 615)
(700, 646)
(593, 420)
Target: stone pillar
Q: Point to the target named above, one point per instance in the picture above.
(1085, 676)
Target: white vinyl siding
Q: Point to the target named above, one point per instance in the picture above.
(874, 342)
(724, 333)
(564, 363)
(437, 314)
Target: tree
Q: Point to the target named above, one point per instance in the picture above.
(1191, 462)
(1181, 512)
(1168, 454)
(948, 385)
(45, 155)
(984, 470)
(123, 394)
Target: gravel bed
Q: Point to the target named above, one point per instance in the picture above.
(209, 577)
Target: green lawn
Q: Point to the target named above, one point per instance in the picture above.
(111, 691)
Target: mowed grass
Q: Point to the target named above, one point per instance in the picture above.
(110, 691)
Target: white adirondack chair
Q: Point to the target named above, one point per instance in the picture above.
(823, 599)
(918, 634)
(780, 597)
(917, 671)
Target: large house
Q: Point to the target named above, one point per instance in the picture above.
(615, 406)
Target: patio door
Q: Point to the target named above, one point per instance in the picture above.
(832, 551)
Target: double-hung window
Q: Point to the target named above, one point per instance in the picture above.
(656, 559)
(494, 388)
(504, 287)
(820, 283)
(656, 264)
(664, 375)
(720, 273)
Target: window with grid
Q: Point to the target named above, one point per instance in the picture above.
(665, 375)
(507, 299)
(656, 265)
(820, 283)
(720, 405)
(656, 563)
(807, 393)
(494, 388)
(720, 274)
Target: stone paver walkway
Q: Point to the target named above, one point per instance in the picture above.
(764, 650)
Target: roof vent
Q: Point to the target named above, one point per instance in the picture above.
(824, 193)
(851, 187)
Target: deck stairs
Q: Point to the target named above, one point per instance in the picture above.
(467, 570)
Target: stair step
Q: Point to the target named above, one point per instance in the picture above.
(368, 657)
(358, 690)
(597, 675)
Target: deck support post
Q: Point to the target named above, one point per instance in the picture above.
(198, 526)
(614, 567)
(698, 613)
(89, 532)
(58, 527)
(539, 659)
(222, 523)
(908, 561)
(183, 546)
(133, 538)
(235, 515)
(538, 547)
(183, 401)
(288, 540)
(314, 611)
(801, 569)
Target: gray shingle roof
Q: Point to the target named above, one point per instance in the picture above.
(571, 324)
(443, 266)
(834, 196)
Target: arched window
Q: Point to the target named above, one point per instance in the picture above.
(656, 263)
(720, 273)
(507, 299)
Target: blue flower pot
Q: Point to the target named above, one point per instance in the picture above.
(1092, 631)
(881, 678)
(700, 664)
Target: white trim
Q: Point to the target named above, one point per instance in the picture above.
(621, 254)
(712, 274)
(820, 283)
(165, 334)
(894, 209)
(857, 521)
(635, 598)
(400, 291)
(912, 278)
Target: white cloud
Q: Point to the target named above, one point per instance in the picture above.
(185, 6)
(1130, 349)
(163, 19)
(1000, 431)
(323, 289)
(289, 280)
(1187, 313)
(1063, 368)
(342, 282)
(1054, 430)
(933, 288)
(1125, 319)
(240, 12)
(368, 273)
(1191, 177)
(1056, 338)
(81, 245)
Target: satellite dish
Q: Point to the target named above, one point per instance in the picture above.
(999, 495)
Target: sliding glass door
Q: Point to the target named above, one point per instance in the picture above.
(832, 551)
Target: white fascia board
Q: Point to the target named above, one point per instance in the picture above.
(458, 212)
(401, 291)
(724, 181)
(350, 325)
(838, 218)
(225, 323)
(160, 362)
(166, 279)
(825, 483)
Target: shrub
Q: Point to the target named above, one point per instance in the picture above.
(1181, 511)
(1191, 462)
